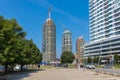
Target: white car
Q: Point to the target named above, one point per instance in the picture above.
(18, 67)
(90, 66)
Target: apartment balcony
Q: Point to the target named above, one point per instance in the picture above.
(102, 54)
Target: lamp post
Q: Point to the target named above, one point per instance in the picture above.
(110, 60)
(99, 59)
(100, 52)
(111, 56)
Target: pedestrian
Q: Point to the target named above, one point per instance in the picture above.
(38, 66)
(43, 66)
(78, 65)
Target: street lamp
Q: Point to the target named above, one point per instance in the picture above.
(99, 59)
(100, 52)
(111, 60)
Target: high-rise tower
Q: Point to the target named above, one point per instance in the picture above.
(80, 49)
(49, 40)
(104, 25)
(104, 18)
(67, 41)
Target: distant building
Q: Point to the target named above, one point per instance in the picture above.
(79, 50)
(49, 40)
(67, 41)
(104, 22)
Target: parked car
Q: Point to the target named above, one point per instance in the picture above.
(81, 66)
(65, 65)
(18, 67)
(107, 66)
(90, 66)
(2, 69)
(58, 65)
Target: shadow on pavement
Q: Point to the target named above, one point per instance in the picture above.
(18, 75)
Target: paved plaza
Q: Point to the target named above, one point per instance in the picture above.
(63, 74)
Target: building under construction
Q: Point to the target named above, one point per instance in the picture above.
(49, 40)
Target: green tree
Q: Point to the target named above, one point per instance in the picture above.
(119, 58)
(10, 33)
(14, 48)
(28, 53)
(89, 60)
(95, 59)
(36, 54)
(67, 57)
(24, 54)
(116, 58)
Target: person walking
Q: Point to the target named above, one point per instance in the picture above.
(78, 65)
(38, 66)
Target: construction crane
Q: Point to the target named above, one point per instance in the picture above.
(63, 26)
(49, 11)
(82, 36)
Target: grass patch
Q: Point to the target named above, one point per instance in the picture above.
(99, 66)
(71, 66)
(117, 66)
(47, 67)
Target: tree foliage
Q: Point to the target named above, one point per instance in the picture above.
(14, 48)
(67, 57)
(28, 53)
(10, 32)
(95, 59)
(89, 60)
(116, 58)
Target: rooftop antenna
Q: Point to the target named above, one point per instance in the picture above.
(49, 11)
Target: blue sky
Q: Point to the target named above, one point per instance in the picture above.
(31, 15)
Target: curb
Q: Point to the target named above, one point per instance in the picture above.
(113, 74)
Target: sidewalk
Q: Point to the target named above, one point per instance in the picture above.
(84, 74)
(111, 71)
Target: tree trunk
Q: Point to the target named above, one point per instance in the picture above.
(6, 68)
(21, 67)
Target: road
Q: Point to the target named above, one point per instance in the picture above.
(63, 74)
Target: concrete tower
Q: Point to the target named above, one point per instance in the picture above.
(67, 41)
(80, 49)
(49, 39)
